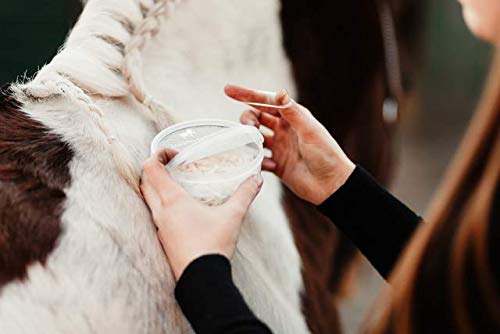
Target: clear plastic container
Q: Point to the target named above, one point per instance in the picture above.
(215, 156)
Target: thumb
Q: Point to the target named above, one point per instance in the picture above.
(243, 197)
(295, 114)
(165, 155)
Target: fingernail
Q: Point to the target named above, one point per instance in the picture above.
(284, 97)
(249, 122)
(257, 179)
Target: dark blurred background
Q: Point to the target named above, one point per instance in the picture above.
(448, 84)
(32, 31)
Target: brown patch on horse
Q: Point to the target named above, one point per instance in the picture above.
(316, 239)
(34, 170)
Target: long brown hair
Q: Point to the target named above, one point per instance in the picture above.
(447, 280)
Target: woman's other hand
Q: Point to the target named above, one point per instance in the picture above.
(304, 155)
(187, 228)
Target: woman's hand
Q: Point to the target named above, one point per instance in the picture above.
(304, 155)
(187, 228)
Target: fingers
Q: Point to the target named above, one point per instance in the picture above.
(268, 140)
(155, 174)
(154, 169)
(269, 165)
(268, 120)
(150, 195)
(157, 185)
(246, 95)
(165, 155)
(251, 117)
(244, 196)
(296, 115)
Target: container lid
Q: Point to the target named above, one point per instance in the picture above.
(199, 139)
(217, 142)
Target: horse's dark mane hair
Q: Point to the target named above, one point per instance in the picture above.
(337, 55)
(34, 170)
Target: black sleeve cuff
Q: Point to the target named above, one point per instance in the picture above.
(210, 300)
(376, 222)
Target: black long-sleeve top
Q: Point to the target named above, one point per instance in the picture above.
(377, 223)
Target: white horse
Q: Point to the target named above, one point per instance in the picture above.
(128, 69)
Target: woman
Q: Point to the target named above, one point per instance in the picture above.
(447, 277)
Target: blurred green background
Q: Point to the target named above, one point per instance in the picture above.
(31, 32)
(449, 85)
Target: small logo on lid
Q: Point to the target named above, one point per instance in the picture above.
(187, 134)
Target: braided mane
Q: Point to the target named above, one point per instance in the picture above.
(102, 58)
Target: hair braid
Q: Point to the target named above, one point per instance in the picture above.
(63, 87)
(132, 62)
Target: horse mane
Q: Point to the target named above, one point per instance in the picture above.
(102, 53)
(101, 58)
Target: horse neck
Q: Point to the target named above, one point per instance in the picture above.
(102, 53)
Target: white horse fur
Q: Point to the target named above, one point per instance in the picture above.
(108, 273)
